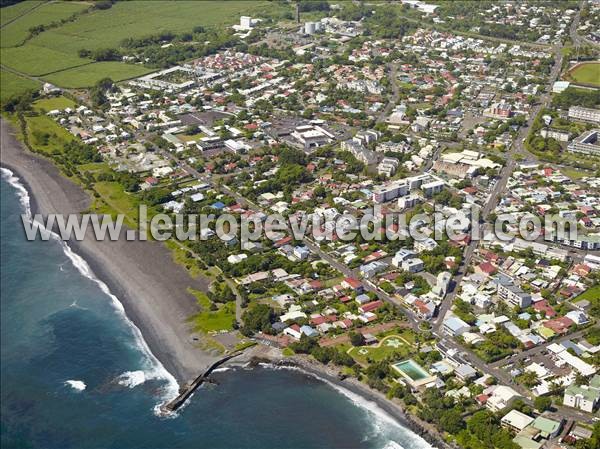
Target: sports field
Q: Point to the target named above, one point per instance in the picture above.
(53, 53)
(586, 73)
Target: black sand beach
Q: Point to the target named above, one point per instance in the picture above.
(151, 287)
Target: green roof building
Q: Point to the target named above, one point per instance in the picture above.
(548, 427)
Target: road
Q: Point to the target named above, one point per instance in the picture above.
(466, 354)
(315, 248)
(515, 149)
(392, 70)
(536, 350)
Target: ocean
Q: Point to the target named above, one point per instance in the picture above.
(76, 373)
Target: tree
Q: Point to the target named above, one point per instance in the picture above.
(542, 403)
(356, 338)
(257, 318)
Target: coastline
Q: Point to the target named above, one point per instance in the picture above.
(142, 274)
(151, 288)
(261, 355)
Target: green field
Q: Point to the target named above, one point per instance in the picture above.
(590, 294)
(49, 104)
(56, 49)
(17, 10)
(16, 32)
(87, 75)
(212, 321)
(40, 126)
(586, 73)
(11, 84)
(36, 61)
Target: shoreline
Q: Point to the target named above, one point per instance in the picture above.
(165, 334)
(273, 358)
(143, 278)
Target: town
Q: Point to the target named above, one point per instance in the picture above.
(406, 108)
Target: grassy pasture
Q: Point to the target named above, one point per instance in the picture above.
(11, 84)
(108, 28)
(38, 61)
(212, 321)
(17, 31)
(88, 75)
(42, 125)
(52, 52)
(17, 10)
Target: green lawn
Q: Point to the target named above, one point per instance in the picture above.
(116, 201)
(17, 31)
(108, 28)
(49, 104)
(11, 84)
(212, 321)
(187, 138)
(88, 75)
(587, 73)
(391, 345)
(56, 49)
(589, 294)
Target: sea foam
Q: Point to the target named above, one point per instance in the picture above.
(77, 385)
(132, 378)
(155, 369)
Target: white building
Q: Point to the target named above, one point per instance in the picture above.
(584, 114)
(583, 397)
(516, 421)
(312, 136)
(511, 293)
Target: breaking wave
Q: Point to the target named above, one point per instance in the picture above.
(154, 369)
(77, 385)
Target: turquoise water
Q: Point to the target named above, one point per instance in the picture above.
(75, 374)
(411, 369)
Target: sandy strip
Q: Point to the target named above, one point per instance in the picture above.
(151, 287)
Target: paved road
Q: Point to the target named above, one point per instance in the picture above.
(536, 350)
(392, 69)
(315, 248)
(515, 149)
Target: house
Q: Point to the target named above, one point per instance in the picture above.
(301, 252)
(308, 331)
(293, 331)
(370, 306)
(455, 327)
(413, 265)
(583, 397)
(547, 428)
(425, 310)
(403, 255)
(500, 397)
(516, 421)
(465, 372)
(559, 325)
(362, 298)
(427, 244)
(353, 284)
